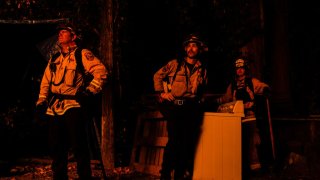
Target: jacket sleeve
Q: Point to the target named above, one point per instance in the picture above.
(226, 97)
(161, 74)
(259, 87)
(96, 68)
(45, 85)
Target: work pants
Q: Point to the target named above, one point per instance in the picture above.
(68, 131)
(183, 126)
(250, 145)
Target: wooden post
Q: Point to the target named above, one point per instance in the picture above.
(106, 41)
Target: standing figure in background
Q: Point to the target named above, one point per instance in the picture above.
(244, 87)
(63, 92)
(180, 85)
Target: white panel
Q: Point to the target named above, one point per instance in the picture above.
(218, 155)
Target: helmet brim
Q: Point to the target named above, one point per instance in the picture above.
(203, 46)
(66, 27)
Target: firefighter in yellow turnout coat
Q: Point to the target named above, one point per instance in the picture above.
(61, 90)
(244, 87)
(66, 80)
(180, 85)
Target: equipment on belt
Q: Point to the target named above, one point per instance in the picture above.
(189, 101)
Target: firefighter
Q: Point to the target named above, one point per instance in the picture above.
(180, 85)
(244, 87)
(62, 91)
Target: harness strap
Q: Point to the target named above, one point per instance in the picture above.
(175, 73)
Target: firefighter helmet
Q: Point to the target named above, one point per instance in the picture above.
(67, 26)
(195, 38)
(241, 63)
(72, 29)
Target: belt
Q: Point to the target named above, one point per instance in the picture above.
(181, 102)
(61, 96)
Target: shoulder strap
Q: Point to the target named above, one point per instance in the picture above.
(178, 67)
(249, 83)
(87, 77)
(53, 59)
(55, 56)
(78, 56)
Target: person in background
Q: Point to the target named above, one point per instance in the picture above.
(245, 87)
(62, 93)
(180, 85)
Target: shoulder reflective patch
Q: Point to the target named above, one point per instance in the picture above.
(89, 56)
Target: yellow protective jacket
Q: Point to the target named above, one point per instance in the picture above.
(66, 80)
(258, 88)
(186, 84)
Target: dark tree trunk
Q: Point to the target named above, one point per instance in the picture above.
(107, 139)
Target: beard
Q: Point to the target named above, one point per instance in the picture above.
(193, 55)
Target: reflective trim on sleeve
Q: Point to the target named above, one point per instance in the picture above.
(42, 96)
(61, 111)
(95, 84)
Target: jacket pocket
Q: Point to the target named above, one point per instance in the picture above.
(70, 74)
(180, 78)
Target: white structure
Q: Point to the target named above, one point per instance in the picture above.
(218, 155)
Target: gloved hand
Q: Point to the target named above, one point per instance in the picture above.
(167, 96)
(83, 95)
(41, 107)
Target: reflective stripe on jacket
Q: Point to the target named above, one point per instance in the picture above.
(66, 80)
(258, 88)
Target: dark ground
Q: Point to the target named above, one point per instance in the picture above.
(297, 158)
(40, 169)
